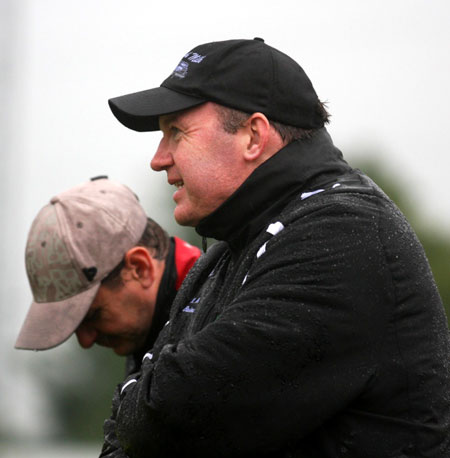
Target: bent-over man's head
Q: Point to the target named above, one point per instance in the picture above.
(94, 262)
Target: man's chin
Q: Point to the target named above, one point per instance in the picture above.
(121, 352)
(122, 345)
(120, 349)
(183, 218)
(124, 348)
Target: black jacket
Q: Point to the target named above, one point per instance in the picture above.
(315, 330)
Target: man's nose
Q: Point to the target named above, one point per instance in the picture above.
(162, 159)
(86, 335)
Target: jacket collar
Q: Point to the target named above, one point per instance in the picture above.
(299, 166)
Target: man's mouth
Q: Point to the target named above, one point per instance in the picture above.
(179, 184)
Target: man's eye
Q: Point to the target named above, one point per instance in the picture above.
(175, 131)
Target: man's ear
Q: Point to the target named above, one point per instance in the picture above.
(257, 128)
(139, 265)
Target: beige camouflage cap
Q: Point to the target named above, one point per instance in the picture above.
(75, 242)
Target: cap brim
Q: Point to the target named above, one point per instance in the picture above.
(49, 324)
(141, 110)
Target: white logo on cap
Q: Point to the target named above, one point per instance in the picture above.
(194, 57)
(182, 68)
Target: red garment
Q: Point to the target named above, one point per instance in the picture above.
(185, 257)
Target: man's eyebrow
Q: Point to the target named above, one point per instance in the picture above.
(169, 118)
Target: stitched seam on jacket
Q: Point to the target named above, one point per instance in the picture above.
(392, 313)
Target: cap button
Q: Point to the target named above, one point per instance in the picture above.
(259, 39)
(99, 177)
(54, 200)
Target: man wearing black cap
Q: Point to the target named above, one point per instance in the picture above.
(314, 328)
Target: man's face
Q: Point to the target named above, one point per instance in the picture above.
(201, 161)
(119, 318)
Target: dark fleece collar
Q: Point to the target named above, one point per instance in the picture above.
(299, 166)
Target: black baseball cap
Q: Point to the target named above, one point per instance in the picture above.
(247, 75)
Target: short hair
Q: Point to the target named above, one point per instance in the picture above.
(155, 239)
(232, 120)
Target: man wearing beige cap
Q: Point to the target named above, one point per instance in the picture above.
(100, 268)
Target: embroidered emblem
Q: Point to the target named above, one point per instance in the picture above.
(194, 57)
(181, 69)
(189, 309)
(90, 272)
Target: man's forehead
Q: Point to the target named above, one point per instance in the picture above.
(182, 115)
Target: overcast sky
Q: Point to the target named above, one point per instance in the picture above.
(383, 67)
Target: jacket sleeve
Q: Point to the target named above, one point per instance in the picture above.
(111, 446)
(296, 345)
